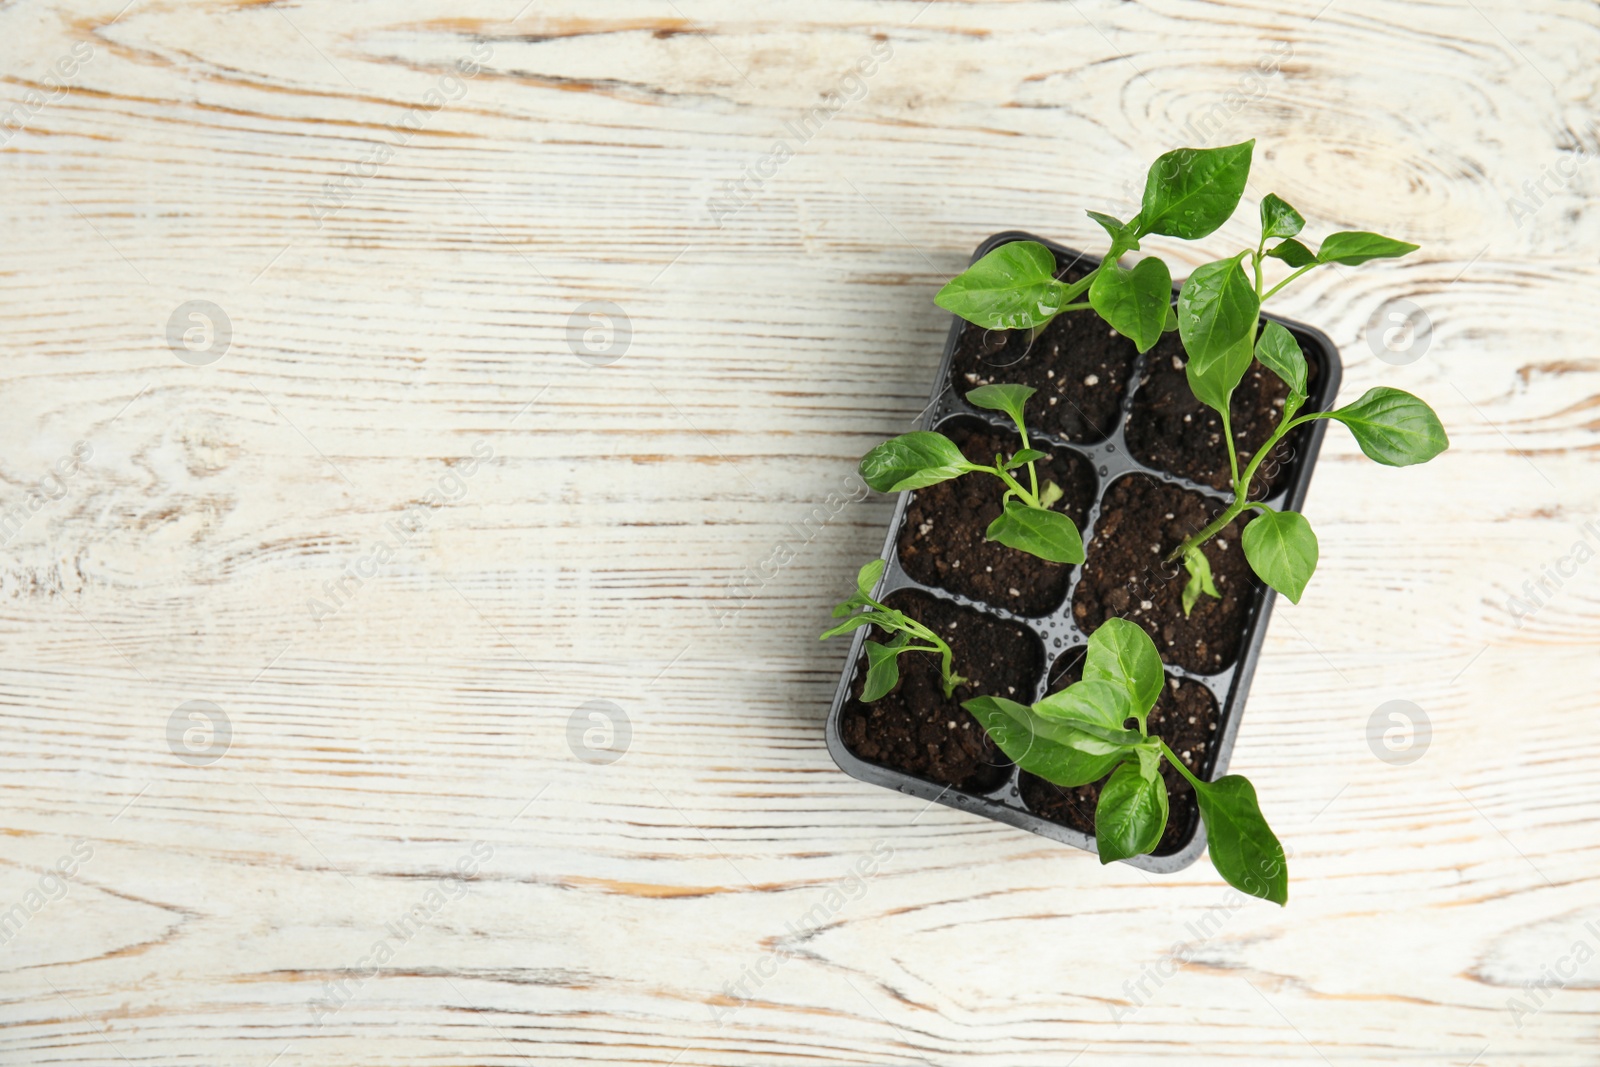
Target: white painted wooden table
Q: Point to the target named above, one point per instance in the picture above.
(392, 854)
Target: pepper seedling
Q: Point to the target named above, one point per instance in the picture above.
(1080, 734)
(1189, 193)
(883, 668)
(1219, 321)
(924, 457)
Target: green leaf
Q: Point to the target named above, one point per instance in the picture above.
(1007, 398)
(1099, 708)
(1149, 755)
(1120, 652)
(1038, 751)
(1131, 815)
(1049, 535)
(883, 670)
(1190, 192)
(1278, 219)
(868, 576)
(912, 461)
(1293, 253)
(1393, 427)
(1172, 320)
(1199, 568)
(1217, 313)
(1213, 383)
(1280, 353)
(1282, 549)
(1124, 235)
(1243, 847)
(1011, 288)
(1026, 455)
(1357, 246)
(1134, 302)
(1050, 494)
(856, 622)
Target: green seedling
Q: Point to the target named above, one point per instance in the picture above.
(1188, 194)
(1026, 521)
(1219, 321)
(883, 669)
(1081, 734)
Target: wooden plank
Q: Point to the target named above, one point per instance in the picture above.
(401, 280)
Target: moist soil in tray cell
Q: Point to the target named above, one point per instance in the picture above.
(1141, 521)
(1186, 717)
(1167, 428)
(942, 541)
(1079, 365)
(915, 728)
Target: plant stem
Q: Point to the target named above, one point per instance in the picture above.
(1178, 763)
(1033, 477)
(1233, 451)
(1241, 498)
(1080, 286)
(1265, 296)
(1211, 529)
(1030, 499)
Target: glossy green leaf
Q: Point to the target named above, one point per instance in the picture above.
(1011, 288)
(868, 576)
(1293, 253)
(1099, 708)
(1217, 313)
(1007, 398)
(1040, 750)
(856, 622)
(1149, 755)
(1393, 427)
(912, 461)
(1243, 847)
(1120, 652)
(1172, 320)
(1190, 192)
(1356, 246)
(1131, 815)
(883, 669)
(1280, 353)
(1050, 535)
(1199, 568)
(1026, 455)
(1134, 302)
(1124, 235)
(1278, 219)
(1282, 549)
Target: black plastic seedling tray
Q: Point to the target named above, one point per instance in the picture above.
(1058, 631)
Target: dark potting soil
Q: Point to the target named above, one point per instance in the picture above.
(915, 728)
(1186, 717)
(942, 541)
(1169, 429)
(1141, 521)
(1079, 365)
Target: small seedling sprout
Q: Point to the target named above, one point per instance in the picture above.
(1026, 521)
(883, 669)
(1080, 735)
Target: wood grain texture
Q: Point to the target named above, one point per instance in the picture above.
(399, 280)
